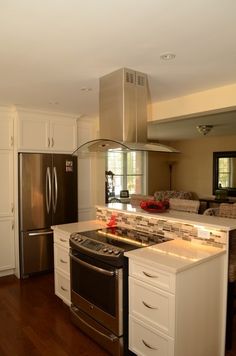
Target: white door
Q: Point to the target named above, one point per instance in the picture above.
(6, 132)
(6, 183)
(34, 133)
(63, 135)
(7, 259)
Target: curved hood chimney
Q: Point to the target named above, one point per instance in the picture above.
(123, 104)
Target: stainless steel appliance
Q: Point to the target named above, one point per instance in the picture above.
(47, 196)
(99, 280)
(123, 114)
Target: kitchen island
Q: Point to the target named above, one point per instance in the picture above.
(192, 268)
(61, 236)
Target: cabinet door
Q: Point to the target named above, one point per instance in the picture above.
(6, 132)
(6, 183)
(7, 256)
(34, 133)
(63, 135)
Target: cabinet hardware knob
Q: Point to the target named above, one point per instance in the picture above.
(150, 347)
(149, 306)
(48, 142)
(149, 275)
(62, 261)
(64, 289)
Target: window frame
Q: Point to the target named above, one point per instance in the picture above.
(125, 174)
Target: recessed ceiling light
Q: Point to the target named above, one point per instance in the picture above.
(167, 56)
(86, 89)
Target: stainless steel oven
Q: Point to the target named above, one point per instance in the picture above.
(98, 289)
(99, 280)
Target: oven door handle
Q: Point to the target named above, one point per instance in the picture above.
(94, 268)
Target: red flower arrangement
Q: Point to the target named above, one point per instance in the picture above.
(154, 206)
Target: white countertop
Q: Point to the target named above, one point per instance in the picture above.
(175, 256)
(173, 215)
(68, 229)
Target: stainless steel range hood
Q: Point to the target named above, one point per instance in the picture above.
(123, 107)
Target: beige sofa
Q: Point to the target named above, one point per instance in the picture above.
(135, 199)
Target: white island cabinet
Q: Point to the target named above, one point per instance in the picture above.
(175, 300)
(61, 236)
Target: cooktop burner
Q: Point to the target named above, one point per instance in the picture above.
(112, 242)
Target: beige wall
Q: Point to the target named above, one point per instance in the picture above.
(158, 171)
(194, 165)
(208, 101)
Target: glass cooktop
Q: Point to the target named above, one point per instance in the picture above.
(123, 238)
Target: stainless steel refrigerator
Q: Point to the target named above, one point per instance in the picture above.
(47, 196)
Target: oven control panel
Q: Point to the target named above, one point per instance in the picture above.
(95, 246)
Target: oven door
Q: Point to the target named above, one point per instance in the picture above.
(97, 289)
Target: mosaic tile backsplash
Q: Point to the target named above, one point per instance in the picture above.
(165, 227)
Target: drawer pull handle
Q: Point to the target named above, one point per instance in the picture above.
(64, 289)
(149, 275)
(62, 240)
(149, 306)
(62, 261)
(148, 346)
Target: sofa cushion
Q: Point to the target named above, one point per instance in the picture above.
(167, 194)
(227, 210)
(187, 205)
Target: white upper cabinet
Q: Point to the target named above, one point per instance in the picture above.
(63, 135)
(39, 131)
(6, 131)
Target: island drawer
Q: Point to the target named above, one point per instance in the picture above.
(146, 342)
(61, 239)
(152, 305)
(158, 278)
(62, 287)
(61, 259)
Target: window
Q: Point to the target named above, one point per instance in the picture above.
(224, 172)
(129, 171)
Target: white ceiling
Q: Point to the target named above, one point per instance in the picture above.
(51, 49)
(224, 124)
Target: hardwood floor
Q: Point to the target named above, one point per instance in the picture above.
(34, 322)
(232, 352)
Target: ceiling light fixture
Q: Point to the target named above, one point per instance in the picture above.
(167, 56)
(204, 129)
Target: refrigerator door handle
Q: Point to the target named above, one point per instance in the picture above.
(48, 189)
(40, 233)
(55, 196)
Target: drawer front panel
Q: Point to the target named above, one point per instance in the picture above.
(145, 342)
(61, 240)
(61, 258)
(62, 287)
(153, 276)
(154, 306)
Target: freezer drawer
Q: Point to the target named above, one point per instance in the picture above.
(36, 251)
